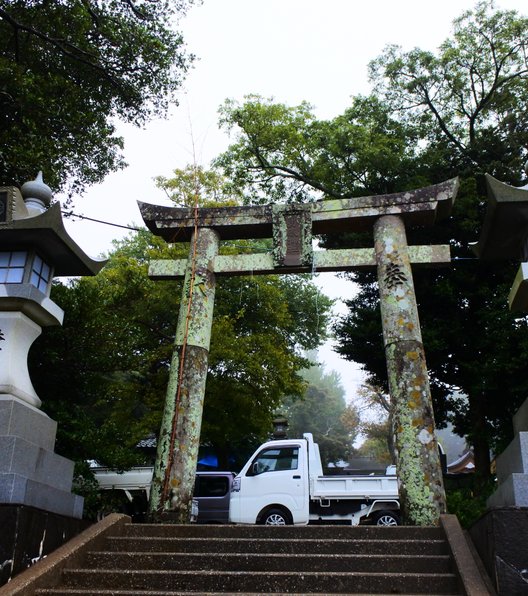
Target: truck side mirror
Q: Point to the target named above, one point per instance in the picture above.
(256, 468)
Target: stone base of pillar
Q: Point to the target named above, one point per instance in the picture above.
(29, 535)
(500, 539)
(512, 466)
(30, 472)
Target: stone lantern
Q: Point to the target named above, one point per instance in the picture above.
(34, 248)
(280, 427)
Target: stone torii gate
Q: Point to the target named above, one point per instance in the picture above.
(292, 226)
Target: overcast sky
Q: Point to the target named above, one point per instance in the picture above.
(291, 50)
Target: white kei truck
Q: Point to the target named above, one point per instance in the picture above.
(283, 483)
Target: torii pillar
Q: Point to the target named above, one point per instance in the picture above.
(422, 496)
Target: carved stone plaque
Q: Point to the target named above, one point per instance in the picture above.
(292, 235)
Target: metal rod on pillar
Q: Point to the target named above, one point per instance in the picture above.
(422, 496)
(177, 453)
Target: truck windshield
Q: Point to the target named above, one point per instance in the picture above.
(275, 459)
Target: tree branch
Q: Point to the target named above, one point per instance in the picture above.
(294, 174)
(136, 11)
(67, 48)
(441, 122)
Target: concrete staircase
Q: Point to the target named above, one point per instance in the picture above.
(162, 560)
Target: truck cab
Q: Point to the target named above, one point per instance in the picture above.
(272, 486)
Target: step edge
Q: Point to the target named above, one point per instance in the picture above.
(93, 571)
(264, 555)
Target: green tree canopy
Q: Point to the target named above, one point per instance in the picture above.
(69, 69)
(469, 100)
(375, 424)
(283, 153)
(323, 411)
(462, 100)
(196, 185)
(102, 375)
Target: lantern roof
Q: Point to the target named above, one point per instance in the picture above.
(44, 233)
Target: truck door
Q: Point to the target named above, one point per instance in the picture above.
(276, 476)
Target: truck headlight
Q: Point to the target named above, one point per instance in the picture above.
(235, 487)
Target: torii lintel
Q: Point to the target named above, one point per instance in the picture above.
(420, 207)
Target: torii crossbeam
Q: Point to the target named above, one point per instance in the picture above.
(292, 227)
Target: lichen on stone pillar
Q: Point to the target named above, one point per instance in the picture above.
(422, 496)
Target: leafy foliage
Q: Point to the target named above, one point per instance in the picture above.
(102, 373)
(262, 327)
(68, 69)
(283, 153)
(471, 97)
(461, 99)
(468, 503)
(322, 411)
(375, 424)
(195, 185)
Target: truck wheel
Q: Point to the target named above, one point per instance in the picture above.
(387, 518)
(276, 517)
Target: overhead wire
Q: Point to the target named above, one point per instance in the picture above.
(106, 223)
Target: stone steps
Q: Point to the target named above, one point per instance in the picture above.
(212, 561)
(284, 546)
(318, 532)
(157, 559)
(73, 592)
(232, 582)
